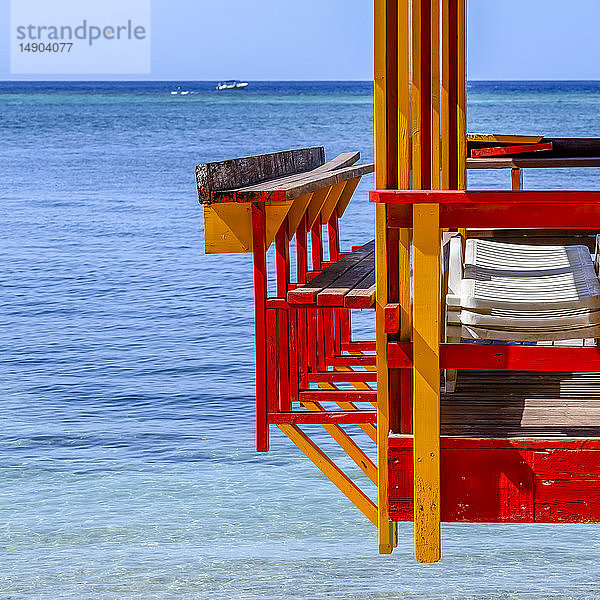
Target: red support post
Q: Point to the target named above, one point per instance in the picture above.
(282, 261)
(271, 366)
(316, 239)
(260, 298)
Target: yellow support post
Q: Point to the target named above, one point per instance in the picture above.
(426, 381)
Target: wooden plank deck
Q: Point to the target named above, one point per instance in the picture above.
(347, 283)
(494, 404)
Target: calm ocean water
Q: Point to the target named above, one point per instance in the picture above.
(127, 463)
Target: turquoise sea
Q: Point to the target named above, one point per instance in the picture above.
(127, 462)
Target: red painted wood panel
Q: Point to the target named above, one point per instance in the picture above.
(321, 418)
(339, 396)
(358, 346)
(351, 361)
(479, 357)
(391, 314)
(503, 480)
(524, 216)
(485, 486)
(346, 376)
(567, 501)
(508, 150)
(484, 196)
(567, 464)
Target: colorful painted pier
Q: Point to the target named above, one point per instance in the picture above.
(480, 392)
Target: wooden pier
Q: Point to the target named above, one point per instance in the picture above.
(518, 438)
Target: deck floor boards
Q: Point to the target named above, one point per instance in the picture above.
(522, 404)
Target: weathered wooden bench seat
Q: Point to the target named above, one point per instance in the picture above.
(275, 177)
(348, 283)
(289, 186)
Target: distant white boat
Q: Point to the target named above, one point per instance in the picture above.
(179, 92)
(232, 84)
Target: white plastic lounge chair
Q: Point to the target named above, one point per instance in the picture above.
(520, 293)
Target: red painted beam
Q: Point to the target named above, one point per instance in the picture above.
(359, 346)
(358, 302)
(333, 376)
(508, 150)
(553, 444)
(506, 215)
(478, 357)
(481, 197)
(338, 396)
(391, 314)
(505, 481)
(351, 361)
(400, 355)
(323, 418)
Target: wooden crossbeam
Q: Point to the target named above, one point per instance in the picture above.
(332, 471)
(351, 448)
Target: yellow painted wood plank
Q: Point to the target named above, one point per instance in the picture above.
(275, 214)
(314, 208)
(426, 381)
(351, 185)
(435, 94)
(383, 399)
(331, 202)
(228, 225)
(227, 228)
(349, 446)
(331, 471)
(296, 213)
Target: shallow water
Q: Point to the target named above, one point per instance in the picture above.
(127, 467)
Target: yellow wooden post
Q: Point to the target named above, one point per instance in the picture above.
(426, 381)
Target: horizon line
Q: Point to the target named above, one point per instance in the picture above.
(275, 80)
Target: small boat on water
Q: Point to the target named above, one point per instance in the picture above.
(179, 92)
(232, 84)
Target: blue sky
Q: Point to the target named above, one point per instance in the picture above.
(332, 39)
